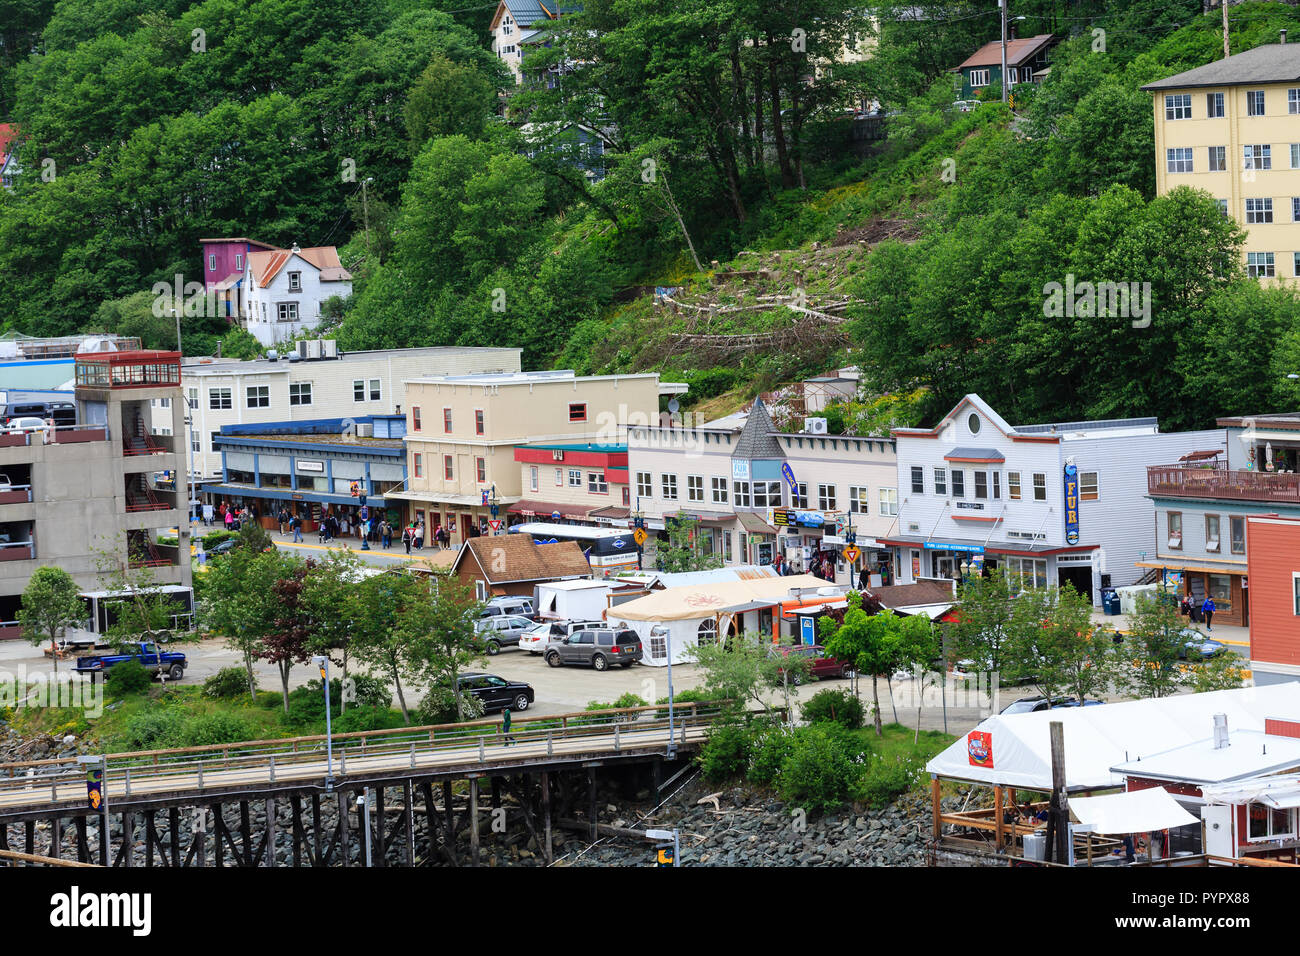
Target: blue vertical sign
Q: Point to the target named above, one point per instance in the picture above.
(808, 629)
(788, 474)
(1071, 504)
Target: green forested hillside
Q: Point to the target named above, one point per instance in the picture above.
(162, 121)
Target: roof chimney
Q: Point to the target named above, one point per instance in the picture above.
(1220, 731)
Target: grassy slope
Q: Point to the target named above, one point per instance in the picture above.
(816, 240)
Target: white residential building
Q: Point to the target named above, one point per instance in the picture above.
(287, 288)
(327, 384)
(1055, 503)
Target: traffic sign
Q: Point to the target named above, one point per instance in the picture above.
(851, 553)
(495, 526)
(639, 535)
(555, 515)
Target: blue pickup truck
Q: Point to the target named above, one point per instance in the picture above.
(154, 659)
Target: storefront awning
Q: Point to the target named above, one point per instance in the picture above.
(1139, 811)
(753, 523)
(546, 509)
(1185, 565)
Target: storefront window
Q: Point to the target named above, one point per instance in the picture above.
(1221, 591)
(1026, 573)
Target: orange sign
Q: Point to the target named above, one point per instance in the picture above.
(851, 553)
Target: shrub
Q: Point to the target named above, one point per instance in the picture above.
(153, 729)
(367, 718)
(226, 683)
(126, 678)
(214, 538)
(768, 756)
(834, 706)
(438, 706)
(822, 769)
(725, 754)
(885, 780)
(367, 691)
(208, 729)
(627, 700)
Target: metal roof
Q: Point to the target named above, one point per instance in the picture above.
(757, 437)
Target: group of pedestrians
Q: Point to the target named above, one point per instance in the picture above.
(225, 514)
(1196, 613)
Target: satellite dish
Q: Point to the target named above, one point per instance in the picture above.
(673, 405)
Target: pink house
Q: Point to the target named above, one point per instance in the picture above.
(225, 263)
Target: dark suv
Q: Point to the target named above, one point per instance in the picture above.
(63, 413)
(595, 647)
(497, 693)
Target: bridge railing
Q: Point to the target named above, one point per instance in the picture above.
(256, 761)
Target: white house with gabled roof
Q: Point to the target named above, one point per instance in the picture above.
(1054, 503)
(287, 288)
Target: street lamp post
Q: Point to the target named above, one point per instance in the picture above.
(668, 644)
(323, 663)
(638, 524)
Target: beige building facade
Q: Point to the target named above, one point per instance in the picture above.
(1232, 128)
(319, 382)
(462, 432)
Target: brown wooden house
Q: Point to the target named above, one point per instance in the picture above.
(514, 564)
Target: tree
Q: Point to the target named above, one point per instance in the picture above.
(144, 610)
(287, 641)
(1055, 646)
(448, 99)
(241, 604)
(51, 603)
(683, 551)
(439, 617)
(742, 669)
(983, 629)
(1223, 671)
(1153, 648)
(331, 598)
(877, 644)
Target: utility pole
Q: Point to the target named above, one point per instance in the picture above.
(1002, 6)
(365, 211)
(1223, 4)
(1058, 813)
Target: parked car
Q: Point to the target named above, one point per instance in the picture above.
(27, 424)
(1195, 644)
(535, 638)
(821, 665)
(504, 630)
(150, 655)
(508, 605)
(1032, 705)
(223, 548)
(495, 692)
(595, 647)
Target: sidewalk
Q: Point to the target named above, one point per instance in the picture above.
(396, 554)
(1229, 634)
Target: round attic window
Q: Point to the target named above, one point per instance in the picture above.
(973, 423)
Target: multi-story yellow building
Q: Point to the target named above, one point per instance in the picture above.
(1232, 128)
(462, 431)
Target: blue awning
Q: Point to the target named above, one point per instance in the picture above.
(286, 494)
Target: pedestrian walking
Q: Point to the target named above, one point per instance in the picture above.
(505, 727)
(230, 520)
(295, 523)
(419, 536)
(1208, 610)
(406, 539)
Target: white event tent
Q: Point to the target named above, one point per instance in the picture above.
(1015, 750)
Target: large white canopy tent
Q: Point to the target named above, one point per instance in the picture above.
(682, 610)
(1015, 750)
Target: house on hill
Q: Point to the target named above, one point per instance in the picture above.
(8, 154)
(514, 564)
(1026, 61)
(287, 289)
